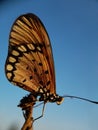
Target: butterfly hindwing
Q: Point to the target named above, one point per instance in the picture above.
(29, 62)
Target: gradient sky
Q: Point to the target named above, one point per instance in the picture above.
(73, 29)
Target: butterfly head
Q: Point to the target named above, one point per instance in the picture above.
(59, 100)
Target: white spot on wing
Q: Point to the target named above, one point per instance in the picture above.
(9, 67)
(9, 75)
(15, 53)
(12, 59)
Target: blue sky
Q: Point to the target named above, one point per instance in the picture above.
(73, 29)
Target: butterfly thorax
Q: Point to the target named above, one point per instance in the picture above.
(46, 96)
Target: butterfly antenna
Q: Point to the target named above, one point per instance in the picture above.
(85, 99)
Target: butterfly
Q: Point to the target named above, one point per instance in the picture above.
(30, 63)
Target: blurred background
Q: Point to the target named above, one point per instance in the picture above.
(73, 29)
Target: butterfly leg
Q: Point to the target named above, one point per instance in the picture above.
(41, 114)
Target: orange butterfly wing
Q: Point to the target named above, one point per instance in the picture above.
(29, 63)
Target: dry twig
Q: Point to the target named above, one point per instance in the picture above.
(28, 125)
(27, 105)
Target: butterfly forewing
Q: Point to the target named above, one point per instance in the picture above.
(29, 62)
